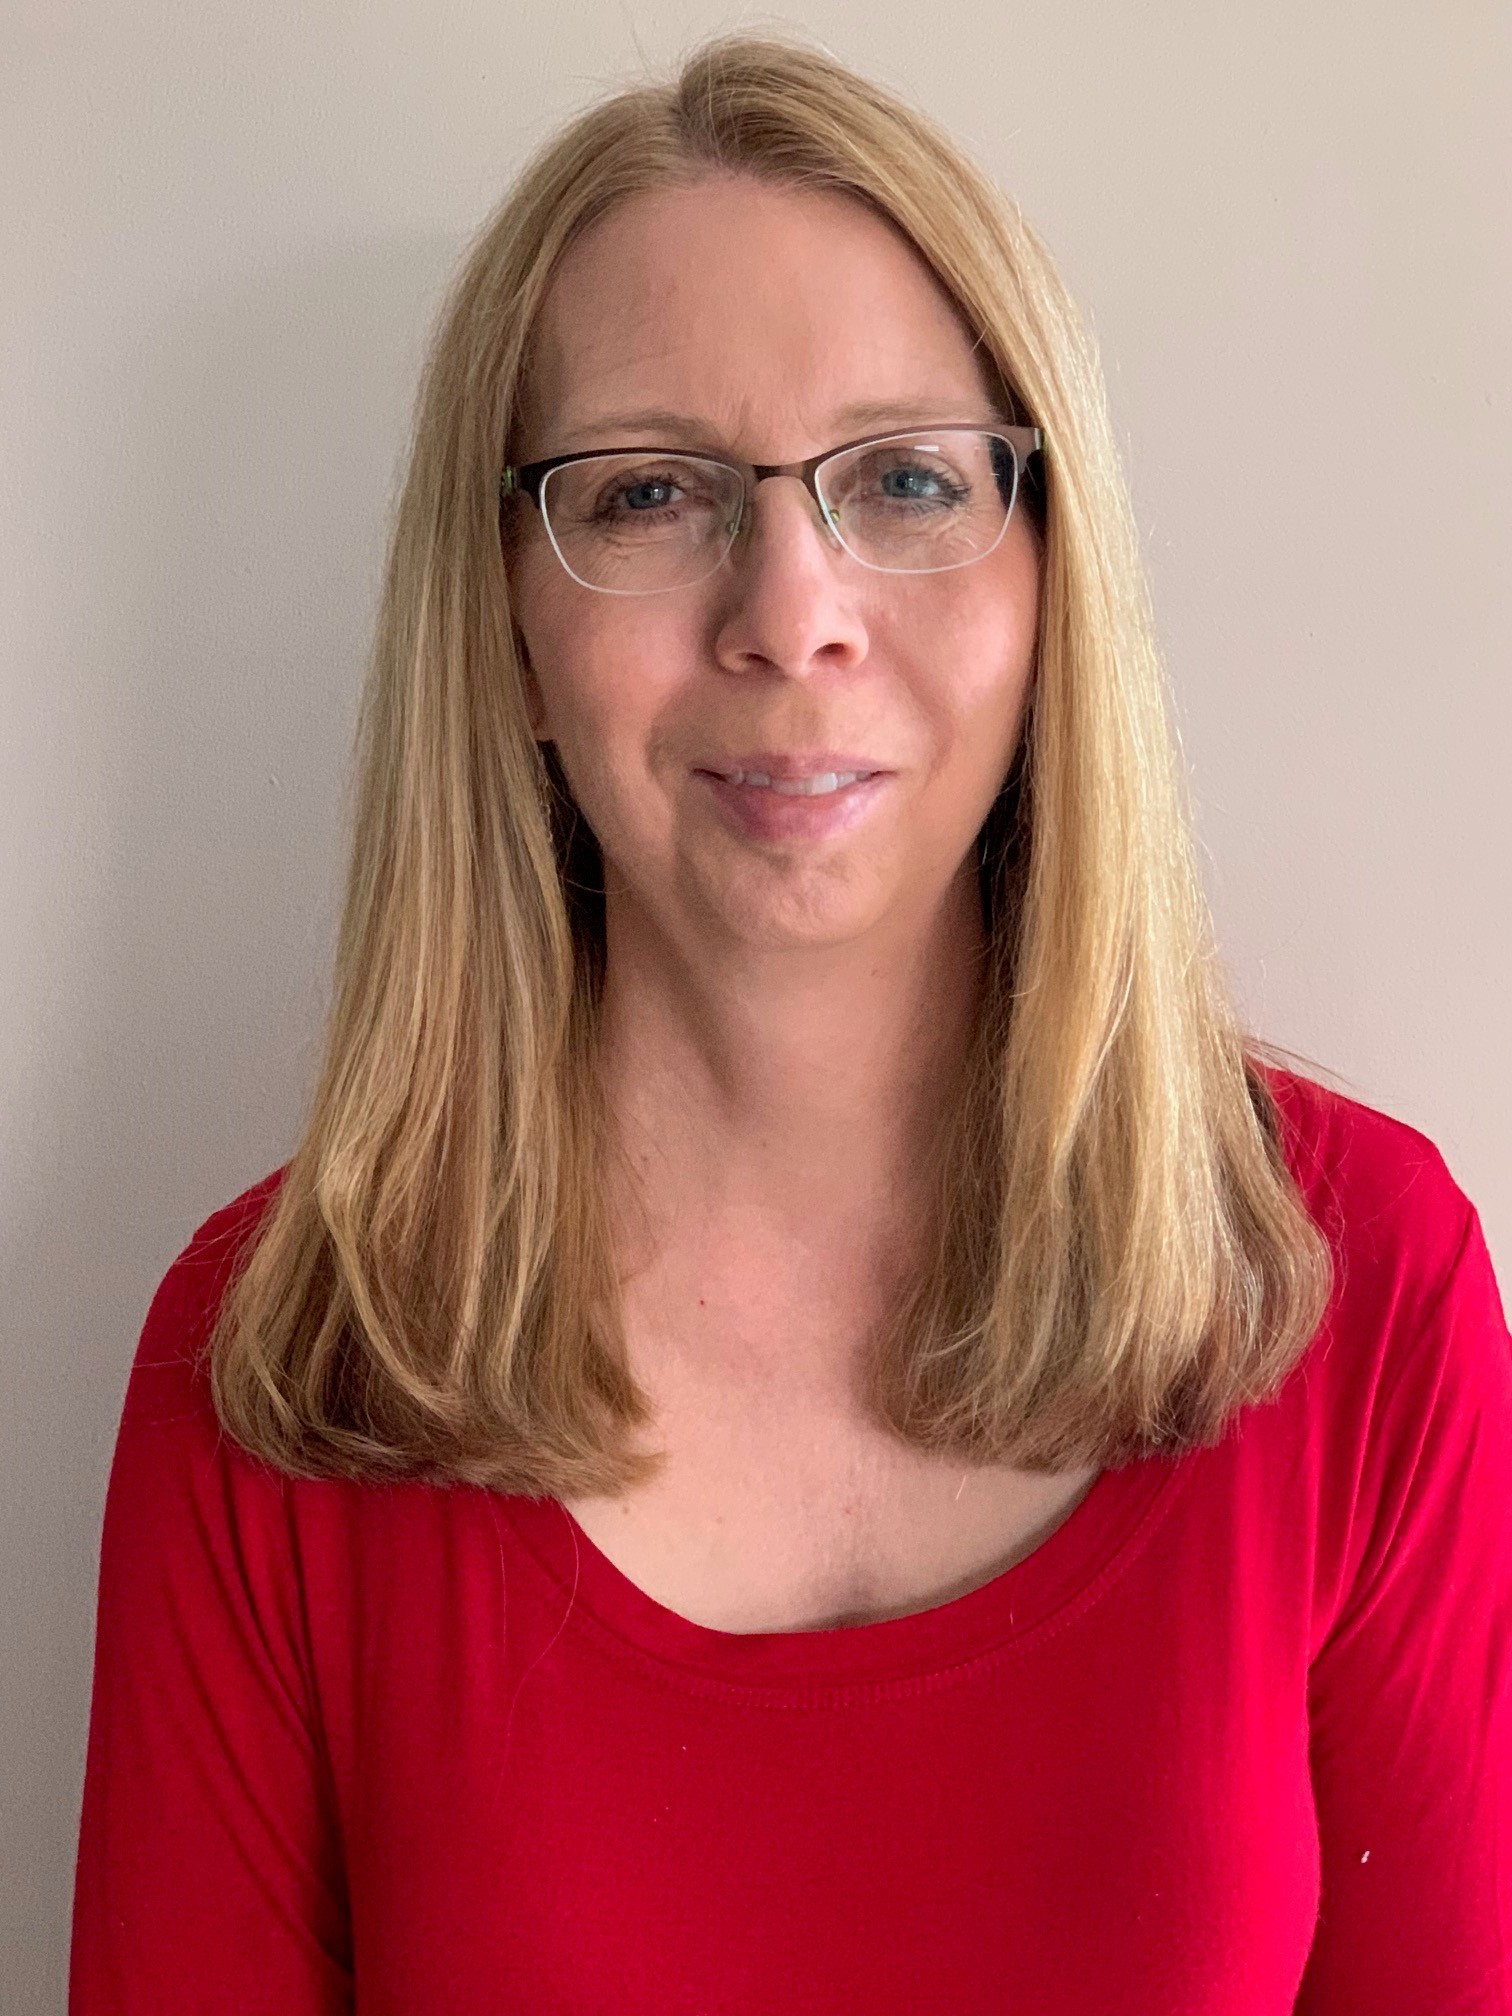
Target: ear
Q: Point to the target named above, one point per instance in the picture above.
(535, 707)
(535, 704)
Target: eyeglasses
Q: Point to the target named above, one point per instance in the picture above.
(638, 521)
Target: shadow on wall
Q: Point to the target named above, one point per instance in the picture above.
(226, 473)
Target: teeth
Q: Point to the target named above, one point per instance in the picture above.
(799, 787)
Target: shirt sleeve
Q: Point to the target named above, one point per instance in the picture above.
(1410, 1694)
(209, 1872)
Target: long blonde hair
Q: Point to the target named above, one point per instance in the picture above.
(1118, 1257)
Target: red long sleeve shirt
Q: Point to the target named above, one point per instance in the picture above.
(1235, 1740)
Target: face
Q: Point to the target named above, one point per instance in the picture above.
(762, 315)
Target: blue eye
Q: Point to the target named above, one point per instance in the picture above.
(914, 485)
(918, 476)
(651, 495)
(643, 499)
(627, 491)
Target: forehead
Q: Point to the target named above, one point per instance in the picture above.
(758, 311)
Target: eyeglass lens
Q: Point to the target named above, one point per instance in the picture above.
(914, 503)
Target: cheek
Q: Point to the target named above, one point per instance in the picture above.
(561, 632)
(1006, 650)
(605, 684)
(984, 655)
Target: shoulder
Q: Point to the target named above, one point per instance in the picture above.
(1416, 1320)
(1379, 1189)
(187, 1297)
(168, 1405)
(1363, 1171)
(200, 1577)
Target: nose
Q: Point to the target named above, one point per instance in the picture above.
(789, 596)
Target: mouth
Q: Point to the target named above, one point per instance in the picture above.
(824, 804)
(817, 784)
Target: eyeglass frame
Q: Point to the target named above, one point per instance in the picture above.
(526, 478)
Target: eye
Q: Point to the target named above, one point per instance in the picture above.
(910, 480)
(639, 494)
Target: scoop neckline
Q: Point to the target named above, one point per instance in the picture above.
(1043, 1592)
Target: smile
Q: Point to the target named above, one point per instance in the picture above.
(820, 807)
(798, 787)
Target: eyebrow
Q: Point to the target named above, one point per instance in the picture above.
(659, 420)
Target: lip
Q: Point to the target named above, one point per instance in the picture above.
(790, 765)
(758, 814)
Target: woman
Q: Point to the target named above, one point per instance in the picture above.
(811, 1425)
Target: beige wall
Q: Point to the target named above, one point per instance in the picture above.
(224, 231)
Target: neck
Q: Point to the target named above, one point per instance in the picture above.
(794, 1091)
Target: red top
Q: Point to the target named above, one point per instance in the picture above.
(1235, 1740)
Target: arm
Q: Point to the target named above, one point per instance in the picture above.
(209, 1870)
(1410, 1695)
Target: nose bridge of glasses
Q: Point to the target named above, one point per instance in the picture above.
(798, 472)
